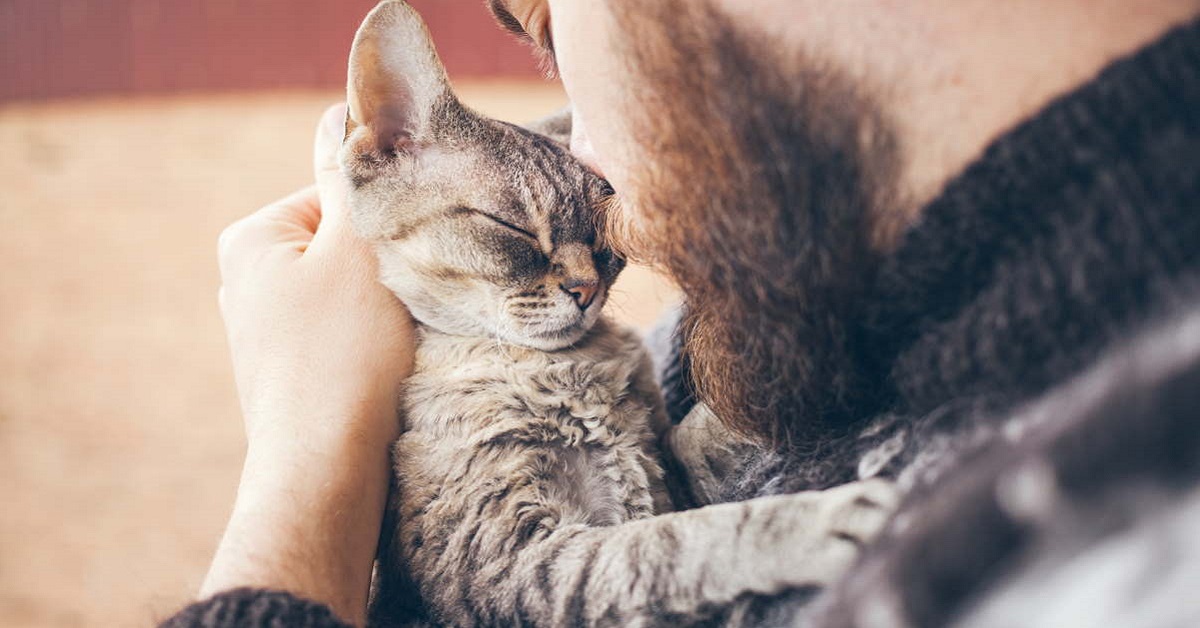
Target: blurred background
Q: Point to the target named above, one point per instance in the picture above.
(131, 133)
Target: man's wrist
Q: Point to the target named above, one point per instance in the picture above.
(329, 427)
(307, 518)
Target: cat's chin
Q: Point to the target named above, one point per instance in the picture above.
(539, 338)
(556, 339)
(557, 335)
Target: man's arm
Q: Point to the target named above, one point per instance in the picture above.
(319, 352)
(306, 521)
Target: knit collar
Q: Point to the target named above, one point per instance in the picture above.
(1070, 231)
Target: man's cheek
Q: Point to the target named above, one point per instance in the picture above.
(581, 144)
(591, 60)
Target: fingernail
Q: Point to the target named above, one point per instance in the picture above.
(334, 121)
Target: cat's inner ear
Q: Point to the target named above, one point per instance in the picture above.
(395, 84)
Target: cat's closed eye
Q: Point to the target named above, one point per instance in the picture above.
(497, 220)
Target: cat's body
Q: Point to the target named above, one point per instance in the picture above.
(528, 472)
(489, 413)
(504, 445)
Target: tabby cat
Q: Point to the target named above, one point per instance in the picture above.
(528, 474)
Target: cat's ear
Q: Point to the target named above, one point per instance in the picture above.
(396, 82)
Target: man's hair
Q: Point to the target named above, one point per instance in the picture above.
(761, 171)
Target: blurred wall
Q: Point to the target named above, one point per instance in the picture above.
(67, 48)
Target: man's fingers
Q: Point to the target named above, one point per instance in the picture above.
(301, 209)
(307, 221)
(285, 225)
(316, 210)
(331, 183)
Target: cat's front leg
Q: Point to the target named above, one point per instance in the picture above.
(694, 566)
(704, 453)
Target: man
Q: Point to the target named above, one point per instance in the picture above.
(952, 243)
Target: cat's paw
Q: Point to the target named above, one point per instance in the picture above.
(707, 453)
(827, 530)
(857, 512)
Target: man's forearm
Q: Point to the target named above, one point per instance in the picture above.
(306, 521)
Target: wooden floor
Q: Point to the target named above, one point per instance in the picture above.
(120, 440)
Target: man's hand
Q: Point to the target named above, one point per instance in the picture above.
(319, 351)
(310, 327)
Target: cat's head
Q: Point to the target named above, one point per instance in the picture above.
(482, 228)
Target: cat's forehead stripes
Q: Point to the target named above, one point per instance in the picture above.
(550, 188)
(551, 207)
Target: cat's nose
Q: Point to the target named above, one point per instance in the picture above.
(582, 290)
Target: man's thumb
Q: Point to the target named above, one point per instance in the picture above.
(331, 183)
(329, 139)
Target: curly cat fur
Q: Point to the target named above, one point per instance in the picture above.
(506, 444)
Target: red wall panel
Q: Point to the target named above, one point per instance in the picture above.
(64, 48)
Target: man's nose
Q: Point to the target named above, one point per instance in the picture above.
(583, 291)
(581, 144)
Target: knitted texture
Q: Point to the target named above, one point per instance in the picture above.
(255, 608)
(670, 364)
(1052, 244)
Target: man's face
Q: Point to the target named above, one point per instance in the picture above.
(579, 38)
(750, 171)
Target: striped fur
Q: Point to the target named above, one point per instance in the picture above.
(528, 485)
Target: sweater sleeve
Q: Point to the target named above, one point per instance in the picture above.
(670, 365)
(255, 608)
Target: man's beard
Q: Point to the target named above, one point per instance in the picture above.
(758, 179)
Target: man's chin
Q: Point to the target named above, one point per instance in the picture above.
(760, 171)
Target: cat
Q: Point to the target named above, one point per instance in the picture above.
(529, 486)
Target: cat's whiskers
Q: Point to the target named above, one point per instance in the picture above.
(501, 321)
